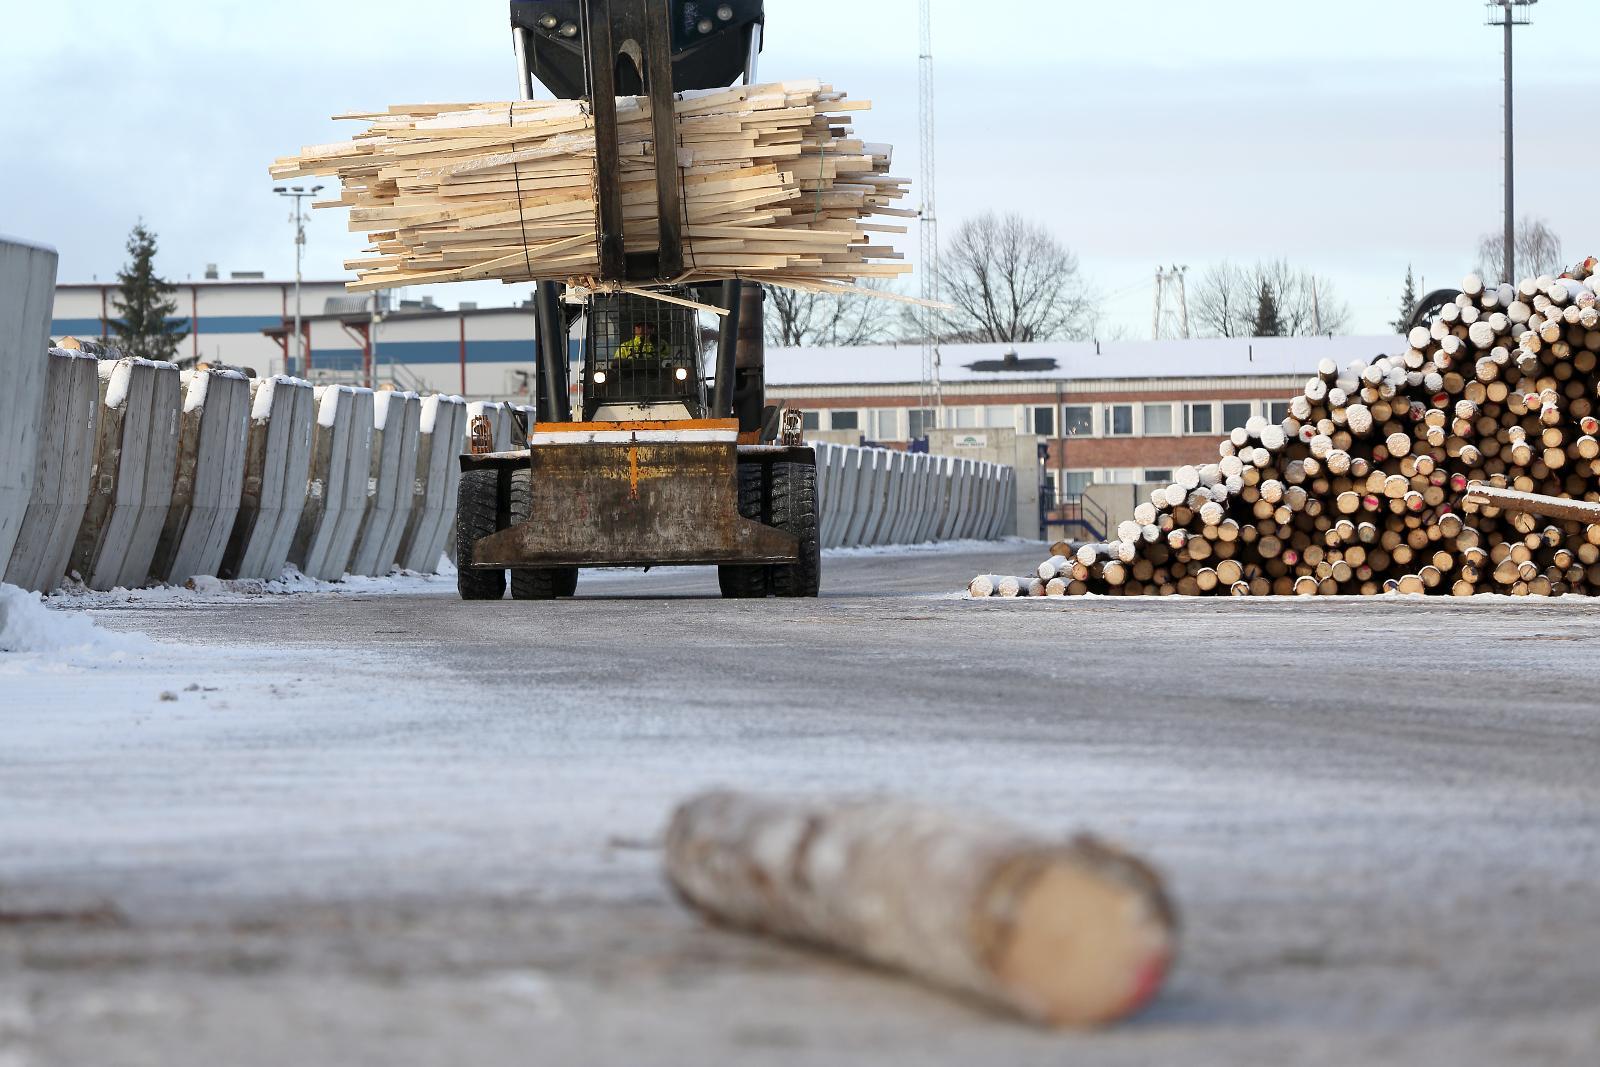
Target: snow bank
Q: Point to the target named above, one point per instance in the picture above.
(26, 625)
(290, 583)
(929, 548)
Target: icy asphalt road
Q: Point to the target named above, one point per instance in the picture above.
(401, 829)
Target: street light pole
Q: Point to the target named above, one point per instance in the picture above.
(1505, 13)
(298, 193)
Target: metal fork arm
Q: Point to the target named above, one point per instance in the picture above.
(636, 33)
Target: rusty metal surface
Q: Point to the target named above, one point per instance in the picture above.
(635, 505)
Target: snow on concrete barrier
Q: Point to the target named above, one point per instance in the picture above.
(276, 471)
(875, 496)
(27, 295)
(213, 436)
(341, 456)
(135, 454)
(61, 478)
(396, 420)
(429, 523)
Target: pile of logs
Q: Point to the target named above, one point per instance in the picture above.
(776, 189)
(1363, 489)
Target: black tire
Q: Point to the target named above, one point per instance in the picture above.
(477, 517)
(535, 583)
(569, 582)
(743, 582)
(1429, 306)
(794, 511)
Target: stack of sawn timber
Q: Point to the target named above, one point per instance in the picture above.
(775, 189)
(1360, 490)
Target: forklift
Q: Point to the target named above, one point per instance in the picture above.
(673, 456)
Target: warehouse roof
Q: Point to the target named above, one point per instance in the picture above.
(1052, 361)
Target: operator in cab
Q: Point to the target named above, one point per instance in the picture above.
(642, 345)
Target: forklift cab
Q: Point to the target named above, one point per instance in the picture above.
(644, 360)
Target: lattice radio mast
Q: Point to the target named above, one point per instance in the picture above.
(1171, 317)
(929, 229)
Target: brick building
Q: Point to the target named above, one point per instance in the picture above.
(1110, 412)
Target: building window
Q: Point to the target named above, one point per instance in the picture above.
(811, 420)
(1158, 420)
(1073, 483)
(1123, 477)
(1000, 418)
(1236, 413)
(922, 420)
(1119, 420)
(1162, 476)
(1278, 411)
(1044, 421)
(845, 420)
(1199, 418)
(1078, 420)
(886, 425)
(963, 418)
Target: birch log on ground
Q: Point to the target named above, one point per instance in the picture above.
(1065, 933)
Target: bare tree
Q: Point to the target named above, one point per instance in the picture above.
(1222, 304)
(798, 319)
(1010, 281)
(1538, 251)
(1227, 301)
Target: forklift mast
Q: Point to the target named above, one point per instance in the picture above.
(599, 50)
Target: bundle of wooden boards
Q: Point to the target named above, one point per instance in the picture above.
(1363, 488)
(775, 188)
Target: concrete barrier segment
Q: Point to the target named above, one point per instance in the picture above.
(43, 548)
(27, 296)
(213, 437)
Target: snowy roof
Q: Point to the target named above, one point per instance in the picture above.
(1201, 358)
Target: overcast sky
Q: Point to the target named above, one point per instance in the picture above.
(1352, 138)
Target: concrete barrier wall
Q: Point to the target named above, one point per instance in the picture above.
(27, 295)
(276, 472)
(140, 474)
(214, 433)
(43, 547)
(874, 496)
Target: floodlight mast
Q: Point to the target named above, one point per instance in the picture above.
(1510, 14)
(299, 194)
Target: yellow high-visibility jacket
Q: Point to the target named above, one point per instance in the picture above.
(639, 348)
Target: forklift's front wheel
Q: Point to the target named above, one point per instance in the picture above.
(536, 583)
(477, 517)
(794, 511)
(741, 581)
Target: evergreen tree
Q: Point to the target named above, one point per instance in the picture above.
(1268, 322)
(146, 327)
(1408, 301)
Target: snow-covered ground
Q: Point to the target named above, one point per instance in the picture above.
(313, 827)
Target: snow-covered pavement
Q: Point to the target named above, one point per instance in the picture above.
(380, 825)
